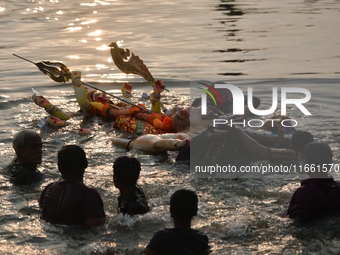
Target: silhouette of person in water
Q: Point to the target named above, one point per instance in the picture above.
(318, 194)
(23, 170)
(69, 201)
(132, 200)
(182, 239)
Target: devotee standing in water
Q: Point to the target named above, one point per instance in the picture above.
(69, 201)
(131, 200)
(320, 193)
(182, 239)
(23, 170)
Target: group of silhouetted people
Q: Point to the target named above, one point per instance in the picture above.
(69, 201)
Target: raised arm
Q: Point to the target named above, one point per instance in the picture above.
(284, 155)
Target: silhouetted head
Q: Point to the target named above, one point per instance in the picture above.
(126, 171)
(28, 147)
(72, 161)
(300, 139)
(317, 153)
(183, 205)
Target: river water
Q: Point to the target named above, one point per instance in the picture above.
(246, 43)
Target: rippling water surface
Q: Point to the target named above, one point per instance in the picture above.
(246, 43)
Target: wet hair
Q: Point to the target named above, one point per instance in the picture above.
(72, 161)
(183, 205)
(317, 153)
(300, 139)
(20, 138)
(127, 170)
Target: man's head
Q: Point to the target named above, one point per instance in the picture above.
(126, 172)
(317, 156)
(183, 205)
(300, 139)
(28, 147)
(72, 161)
